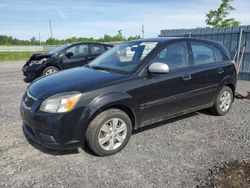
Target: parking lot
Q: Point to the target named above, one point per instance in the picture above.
(176, 153)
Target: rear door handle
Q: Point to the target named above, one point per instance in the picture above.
(187, 77)
(220, 71)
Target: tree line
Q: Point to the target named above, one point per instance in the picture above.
(8, 40)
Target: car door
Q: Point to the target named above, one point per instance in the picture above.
(169, 93)
(79, 58)
(95, 51)
(207, 72)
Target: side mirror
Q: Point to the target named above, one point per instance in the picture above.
(157, 67)
(69, 54)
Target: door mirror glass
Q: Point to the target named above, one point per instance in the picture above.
(69, 54)
(158, 67)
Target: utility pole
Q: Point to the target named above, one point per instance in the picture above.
(51, 34)
(142, 30)
(39, 37)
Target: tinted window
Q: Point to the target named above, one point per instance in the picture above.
(72, 50)
(124, 57)
(218, 55)
(202, 53)
(175, 55)
(97, 49)
(58, 49)
(83, 50)
(109, 47)
(78, 50)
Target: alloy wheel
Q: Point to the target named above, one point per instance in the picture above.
(50, 71)
(112, 134)
(225, 101)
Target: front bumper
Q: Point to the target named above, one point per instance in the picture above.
(32, 72)
(46, 140)
(55, 131)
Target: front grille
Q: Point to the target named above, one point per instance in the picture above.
(28, 100)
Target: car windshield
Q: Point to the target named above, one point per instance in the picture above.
(58, 49)
(124, 57)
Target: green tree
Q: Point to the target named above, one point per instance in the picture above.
(8, 40)
(219, 17)
(53, 41)
(33, 41)
(134, 38)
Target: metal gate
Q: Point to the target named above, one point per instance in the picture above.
(235, 39)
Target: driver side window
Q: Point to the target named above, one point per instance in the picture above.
(78, 50)
(174, 55)
(72, 50)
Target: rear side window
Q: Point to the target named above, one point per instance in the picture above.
(97, 49)
(204, 53)
(174, 55)
(218, 55)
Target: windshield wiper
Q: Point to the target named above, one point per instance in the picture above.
(100, 68)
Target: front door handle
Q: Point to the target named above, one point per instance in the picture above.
(220, 71)
(187, 77)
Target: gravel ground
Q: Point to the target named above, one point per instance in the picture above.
(176, 153)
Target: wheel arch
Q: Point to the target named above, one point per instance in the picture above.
(230, 85)
(119, 100)
(121, 107)
(52, 65)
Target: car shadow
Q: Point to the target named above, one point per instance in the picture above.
(51, 151)
(86, 149)
(165, 122)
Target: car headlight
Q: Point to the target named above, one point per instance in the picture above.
(60, 103)
(38, 61)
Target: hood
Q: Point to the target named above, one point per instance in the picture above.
(80, 79)
(39, 56)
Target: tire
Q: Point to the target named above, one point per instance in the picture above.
(221, 108)
(50, 70)
(102, 132)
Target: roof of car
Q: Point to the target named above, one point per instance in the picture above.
(91, 43)
(165, 39)
(158, 39)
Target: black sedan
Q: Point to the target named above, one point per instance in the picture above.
(63, 57)
(135, 84)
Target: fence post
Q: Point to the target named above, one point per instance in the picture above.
(239, 45)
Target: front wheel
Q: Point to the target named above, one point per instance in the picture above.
(109, 132)
(50, 70)
(223, 102)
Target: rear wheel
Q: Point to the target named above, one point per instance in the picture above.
(109, 132)
(223, 102)
(50, 70)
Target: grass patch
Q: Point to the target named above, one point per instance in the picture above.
(10, 56)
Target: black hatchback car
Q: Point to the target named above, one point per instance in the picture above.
(63, 57)
(135, 84)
